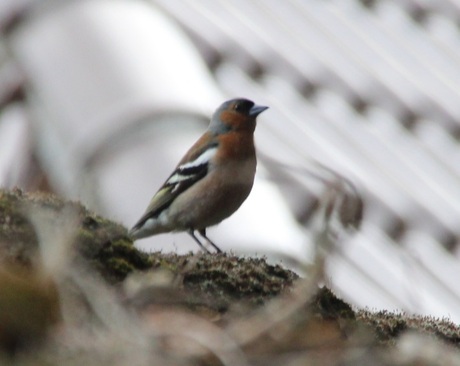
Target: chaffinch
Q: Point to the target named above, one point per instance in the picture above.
(211, 181)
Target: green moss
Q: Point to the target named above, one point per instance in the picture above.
(118, 268)
(326, 304)
(224, 279)
(119, 258)
(101, 242)
(390, 325)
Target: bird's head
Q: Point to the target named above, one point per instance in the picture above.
(235, 115)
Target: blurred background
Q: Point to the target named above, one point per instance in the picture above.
(99, 100)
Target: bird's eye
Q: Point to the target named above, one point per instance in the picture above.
(239, 107)
(243, 106)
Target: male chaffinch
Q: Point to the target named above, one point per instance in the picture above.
(211, 181)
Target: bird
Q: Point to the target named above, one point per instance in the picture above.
(211, 181)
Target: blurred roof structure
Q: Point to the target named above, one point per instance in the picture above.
(369, 89)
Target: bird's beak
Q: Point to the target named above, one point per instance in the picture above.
(256, 110)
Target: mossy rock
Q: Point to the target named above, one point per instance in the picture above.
(390, 325)
(217, 281)
(104, 243)
(221, 280)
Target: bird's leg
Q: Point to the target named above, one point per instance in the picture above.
(192, 234)
(203, 234)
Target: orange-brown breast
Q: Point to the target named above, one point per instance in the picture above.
(235, 145)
